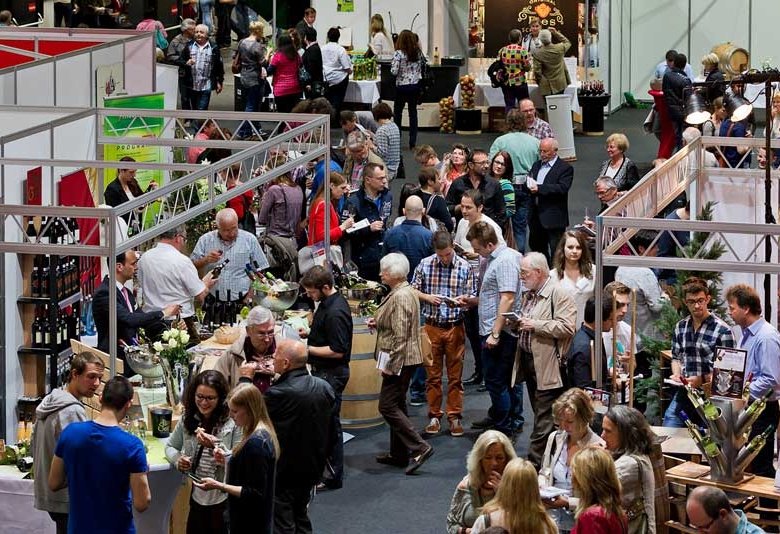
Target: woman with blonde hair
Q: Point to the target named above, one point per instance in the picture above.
(517, 505)
(485, 463)
(595, 480)
(381, 44)
(714, 76)
(251, 464)
(573, 412)
(251, 52)
(618, 166)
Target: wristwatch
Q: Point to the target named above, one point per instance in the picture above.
(494, 335)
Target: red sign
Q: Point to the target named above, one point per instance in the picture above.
(34, 186)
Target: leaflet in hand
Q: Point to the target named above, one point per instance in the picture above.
(449, 301)
(383, 363)
(362, 223)
(551, 492)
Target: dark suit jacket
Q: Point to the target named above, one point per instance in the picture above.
(312, 60)
(127, 324)
(551, 202)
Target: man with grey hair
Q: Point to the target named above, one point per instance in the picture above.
(232, 248)
(549, 68)
(167, 276)
(359, 154)
(250, 357)
(546, 327)
(708, 509)
(300, 406)
(173, 54)
(204, 70)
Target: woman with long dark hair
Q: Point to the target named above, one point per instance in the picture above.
(284, 68)
(407, 68)
(317, 213)
(252, 464)
(502, 170)
(206, 425)
(573, 269)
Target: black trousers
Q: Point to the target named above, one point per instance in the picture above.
(335, 94)
(60, 519)
(762, 464)
(291, 515)
(541, 239)
(206, 519)
(404, 439)
(541, 403)
(337, 377)
(475, 340)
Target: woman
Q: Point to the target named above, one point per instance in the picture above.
(594, 479)
(254, 347)
(206, 424)
(124, 189)
(517, 505)
(338, 189)
(735, 156)
(618, 166)
(407, 69)
(251, 54)
(502, 170)
(433, 200)
(573, 412)
(712, 127)
(381, 45)
(280, 207)
(387, 139)
(485, 464)
(242, 203)
(455, 166)
(628, 437)
(284, 68)
(713, 76)
(251, 467)
(573, 269)
(398, 355)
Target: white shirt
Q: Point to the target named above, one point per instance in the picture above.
(463, 228)
(544, 169)
(335, 63)
(382, 46)
(580, 290)
(168, 277)
(660, 70)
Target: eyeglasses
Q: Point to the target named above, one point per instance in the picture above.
(266, 335)
(703, 528)
(206, 398)
(696, 302)
(480, 163)
(499, 163)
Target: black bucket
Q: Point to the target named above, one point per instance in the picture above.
(161, 422)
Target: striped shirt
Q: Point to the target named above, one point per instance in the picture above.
(434, 277)
(509, 196)
(245, 249)
(695, 349)
(502, 275)
(201, 70)
(388, 147)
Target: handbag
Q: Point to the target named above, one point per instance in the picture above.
(427, 79)
(312, 255)
(159, 40)
(235, 66)
(304, 78)
(563, 369)
(497, 73)
(636, 512)
(248, 222)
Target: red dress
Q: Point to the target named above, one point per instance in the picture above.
(594, 520)
(666, 146)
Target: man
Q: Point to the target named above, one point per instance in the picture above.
(476, 178)
(205, 132)
(173, 55)
(546, 328)
(168, 276)
(228, 242)
(675, 85)
(531, 39)
(524, 150)
(622, 299)
(517, 63)
(534, 125)
(709, 510)
(581, 353)
(103, 467)
(58, 409)
(337, 68)
(372, 202)
(444, 282)
(497, 296)
(693, 347)
(309, 16)
(762, 343)
(312, 61)
(668, 63)
(359, 154)
(204, 71)
(550, 70)
(363, 121)
(330, 348)
(426, 156)
(410, 238)
(301, 409)
(548, 186)
(128, 318)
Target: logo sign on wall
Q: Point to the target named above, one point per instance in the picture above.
(558, 14)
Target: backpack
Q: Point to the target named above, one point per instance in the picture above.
(497, 73)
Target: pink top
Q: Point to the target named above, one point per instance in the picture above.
(285, 74)
(148, 25)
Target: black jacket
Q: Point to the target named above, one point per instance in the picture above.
(495, 208)
(253, 468)
(127, 323)
(551, 202)
(300, 407)
(366, 245)
(674, 83)
(715, 77)
(217, 74)
(579, 360)
(312, 61)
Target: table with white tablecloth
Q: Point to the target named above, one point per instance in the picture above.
(362, 92)
(17, 514)
(487, 95)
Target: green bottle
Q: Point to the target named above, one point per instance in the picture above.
(749, 451)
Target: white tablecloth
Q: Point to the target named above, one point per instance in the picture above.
(487, 95)
(17, 514)
(363, 92)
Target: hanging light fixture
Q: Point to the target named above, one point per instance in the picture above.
(696, 111)
(737, 108)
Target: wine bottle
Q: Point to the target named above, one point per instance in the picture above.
(746, 387)
(57, 332)
(214, 318)
(45, 279)
(35, 278)
(751, 413)
(32, 233)
(45, 327)
(36, 330)
(750, 450)
(218, 269)
(227, 316)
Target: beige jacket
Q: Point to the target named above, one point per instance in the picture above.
(229, 364)
(547, 330)
(549, 68)
(398, 327)
(349, 163)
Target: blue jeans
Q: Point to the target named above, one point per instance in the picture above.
(497, 365)
(199, 100)
(520, 218)
(417, 386)
(205, 13)
(252, 96)
(407, 94)
(680, 402)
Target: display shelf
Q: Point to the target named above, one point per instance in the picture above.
(64, 303)
(44, 351)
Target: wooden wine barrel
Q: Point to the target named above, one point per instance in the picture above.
(360, 400)
(733, 59)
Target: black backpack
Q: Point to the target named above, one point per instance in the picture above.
(498, 74)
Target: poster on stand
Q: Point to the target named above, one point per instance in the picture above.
(109, 81)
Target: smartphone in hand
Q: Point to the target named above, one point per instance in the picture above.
(194, 477)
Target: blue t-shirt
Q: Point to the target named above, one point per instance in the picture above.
(98, 463)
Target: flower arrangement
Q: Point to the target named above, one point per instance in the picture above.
(173, 347)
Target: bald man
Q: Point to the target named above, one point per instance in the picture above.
(228, 242)
(548, 185)
(301, 408)
(410, 238)
(709, 510)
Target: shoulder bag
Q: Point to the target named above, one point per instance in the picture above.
(235, 66)
(635, 512)
(427, 79)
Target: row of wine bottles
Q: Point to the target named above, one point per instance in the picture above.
(54, 230)
(48, 332)
(55, 277)
(218, 312)
(712, 414)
